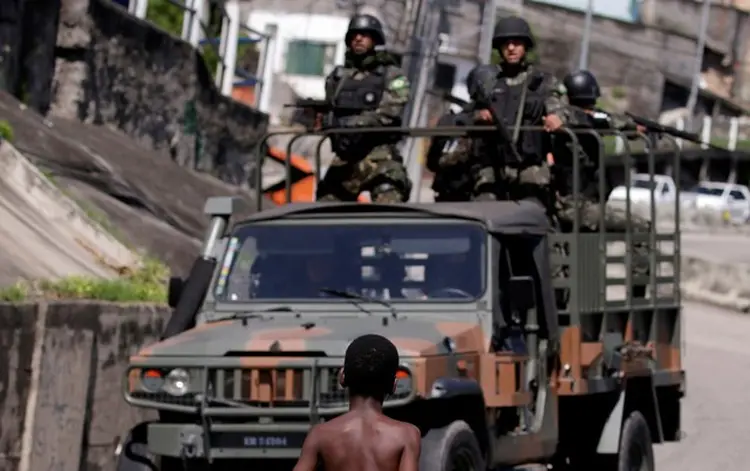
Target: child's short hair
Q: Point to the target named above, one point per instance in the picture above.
(370, 366)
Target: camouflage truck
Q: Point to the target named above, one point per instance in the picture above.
(494, 371)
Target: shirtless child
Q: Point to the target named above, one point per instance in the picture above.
(364, 439)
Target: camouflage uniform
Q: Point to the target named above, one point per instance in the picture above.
(367, 162)
(449, 158)
(588, 203)
(517, 94)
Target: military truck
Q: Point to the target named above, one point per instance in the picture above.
(497, 368)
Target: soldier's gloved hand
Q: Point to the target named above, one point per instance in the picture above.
(483, 116)
(552, 122)
(366, 122)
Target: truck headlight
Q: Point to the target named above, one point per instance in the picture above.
(177, 382)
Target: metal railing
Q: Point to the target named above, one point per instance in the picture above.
(578, 241)
(196, 31)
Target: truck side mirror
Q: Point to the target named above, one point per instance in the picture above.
(521, 293)
(174, 290)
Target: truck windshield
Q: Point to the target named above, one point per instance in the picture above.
(645, 183)
(413, 261)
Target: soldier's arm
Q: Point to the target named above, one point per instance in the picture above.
(556, 101)
(390, 110)
(622, 123)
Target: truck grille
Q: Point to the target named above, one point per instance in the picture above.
(265, 387)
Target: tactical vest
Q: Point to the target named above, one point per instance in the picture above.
(587, 146)
(351, 97)
(506, 103)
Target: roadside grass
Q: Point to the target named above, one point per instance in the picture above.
(147, 283)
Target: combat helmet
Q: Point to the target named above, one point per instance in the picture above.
(582, 88)
(366, 24)
(512, 27)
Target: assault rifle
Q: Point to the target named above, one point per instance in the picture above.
(450, 98)
(319, 107)
(658, 128)
(485, 81)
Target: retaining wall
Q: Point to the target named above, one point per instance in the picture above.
(61, 399)
(116, 70)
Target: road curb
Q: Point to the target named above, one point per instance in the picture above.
(723, 301)
(720, 284)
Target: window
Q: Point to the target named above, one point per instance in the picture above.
(410, 261)
(309, 58)
(644, 184)
(737, 195)
(710, 190)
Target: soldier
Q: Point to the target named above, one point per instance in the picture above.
(449, 157)
(583, 92)
(370, 90)
(518, 95)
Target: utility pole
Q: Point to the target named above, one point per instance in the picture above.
(422, 65)
(695, 85)
(489, 14)
(583, 60)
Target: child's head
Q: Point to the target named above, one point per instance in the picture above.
(370, 367)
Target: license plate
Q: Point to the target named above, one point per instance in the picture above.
(258, 440)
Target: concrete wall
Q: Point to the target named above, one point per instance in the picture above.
(728, 33)
(61, 405)
(621, 54)
(27, 56)
(116, 70)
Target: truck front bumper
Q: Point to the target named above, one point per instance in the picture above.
(227, 441)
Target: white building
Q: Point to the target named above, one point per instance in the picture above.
(306, 48)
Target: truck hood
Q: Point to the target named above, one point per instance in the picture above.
(415, 336)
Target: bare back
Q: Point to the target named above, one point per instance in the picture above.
(362, 440)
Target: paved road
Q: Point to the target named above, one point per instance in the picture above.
(729, 247)
(716, 409)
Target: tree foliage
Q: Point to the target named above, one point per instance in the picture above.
(169, 17)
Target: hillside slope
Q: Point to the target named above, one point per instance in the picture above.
(141, 196)
(44, 234)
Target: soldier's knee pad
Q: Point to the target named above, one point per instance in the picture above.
(387, 193)
(391, 178)
(485, 196)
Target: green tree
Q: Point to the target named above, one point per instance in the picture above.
(165, 15)
(169, 17)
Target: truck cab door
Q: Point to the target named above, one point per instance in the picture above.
(738, 206)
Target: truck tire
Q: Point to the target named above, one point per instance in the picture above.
(451, 448)
(636, 447)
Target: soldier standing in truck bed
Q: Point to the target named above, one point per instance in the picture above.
(370, 90)
(583, 92)
(449, 158)
(519, 95)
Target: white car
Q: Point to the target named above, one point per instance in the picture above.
(641, 187)
(730, 200)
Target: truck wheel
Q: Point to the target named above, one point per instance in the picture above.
(636, 447)
(132, 454)
(451, 448)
